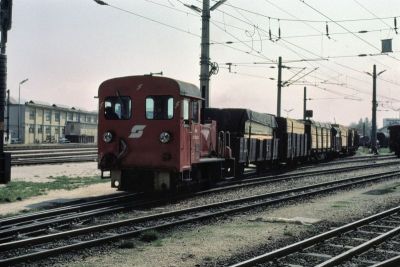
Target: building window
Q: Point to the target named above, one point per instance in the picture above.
(40, 129)
(57, 130)
(31, 128)
(48, 130)
(70, 116)
(57, 116)
(32, 114)
(47, 114)
(63, 130)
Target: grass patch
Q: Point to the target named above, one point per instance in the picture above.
(385, 190)
(126, 244)
(17, 191)
(340, 204)
(378, 192)
(362, 151)
(288, 233)
(149, 236)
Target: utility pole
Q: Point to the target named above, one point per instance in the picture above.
(364, 132)
(305, 103)
(374, 105)
(5, 26)
(205, 54)
(278, 111)
(8, 116)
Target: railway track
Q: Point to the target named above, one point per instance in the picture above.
(345, 160)
(372, 241)
(40, 221)
(54, 155)
(37, 155)
(39, 244)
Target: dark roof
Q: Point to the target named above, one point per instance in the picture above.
(185, 89)
(188, 89)
(234, 119)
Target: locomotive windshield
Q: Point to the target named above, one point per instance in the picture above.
(117, 108)
(159, 107)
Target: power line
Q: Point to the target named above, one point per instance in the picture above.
(283, 44)
(154, 20)
(198, 35)
(304, 35)
(304, 20)
(373, 14)
(174, 27)
(341, 26)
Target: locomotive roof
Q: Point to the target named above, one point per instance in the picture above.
(185, 89)
(188, 89)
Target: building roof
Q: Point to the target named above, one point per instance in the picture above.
(43, 104)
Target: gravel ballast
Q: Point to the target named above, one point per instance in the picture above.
(225, 241)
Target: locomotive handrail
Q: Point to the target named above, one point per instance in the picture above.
(228, 134)
(124, 149)
(221, 142)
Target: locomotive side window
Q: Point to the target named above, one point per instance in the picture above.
(195, 111)
(117, 108)
(185, 111)
(159, 107)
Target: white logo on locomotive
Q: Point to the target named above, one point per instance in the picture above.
(137, 131)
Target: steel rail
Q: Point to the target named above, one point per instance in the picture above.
(317, 172)
(53, 154)
(49, 151)
(393, 262)
(196, 217)
(10, 227)
(5, 234)
(348, 160)
(18, 219)
(53, 160)
(285, 251)
(360, 249)
(40, 156)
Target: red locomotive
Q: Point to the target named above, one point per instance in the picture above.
(150, 135)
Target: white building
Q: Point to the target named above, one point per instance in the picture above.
(388, 122)
(41, 122)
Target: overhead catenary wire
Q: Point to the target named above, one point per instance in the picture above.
(196, 35)
(372, 13)
(298, 47)
(341, 26)
(306, 20)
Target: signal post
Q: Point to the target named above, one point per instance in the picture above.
(5, 26)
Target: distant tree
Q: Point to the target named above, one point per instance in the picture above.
(360, 126)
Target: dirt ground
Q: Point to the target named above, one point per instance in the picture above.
(206, 245)
(42, 173)
(209, 244)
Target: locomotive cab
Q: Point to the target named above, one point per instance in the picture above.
(150, 134)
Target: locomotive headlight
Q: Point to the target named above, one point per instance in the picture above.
(165, 137)
(107, 137)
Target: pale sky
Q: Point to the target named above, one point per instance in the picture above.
(68, 47)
